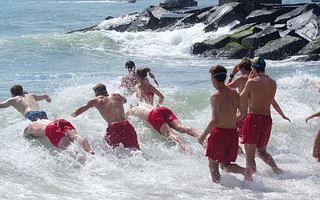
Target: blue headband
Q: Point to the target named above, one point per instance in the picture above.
(219, 73)
(100, 91)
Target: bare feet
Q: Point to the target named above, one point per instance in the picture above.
(248, 174)
(215, 177)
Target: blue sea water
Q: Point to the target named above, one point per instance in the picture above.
(36, 52)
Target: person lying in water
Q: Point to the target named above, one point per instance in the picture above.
(26, 103)
(60, 132)
(162, 119)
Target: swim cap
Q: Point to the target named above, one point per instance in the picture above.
(258, 62)
(130, 64)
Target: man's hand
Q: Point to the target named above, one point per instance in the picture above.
(48, 99)
(286, 118)
(201, 139)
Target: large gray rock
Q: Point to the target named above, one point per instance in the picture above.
(145, 21)
(298, 11)
(311, 48)
(267, 14)
(261, 38)
(232, 50)
(281, 48)
(305, 25)
(119, 24)
(210, 43)
(224, 15)
(174, 4)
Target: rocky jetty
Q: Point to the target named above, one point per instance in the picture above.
(274, 31)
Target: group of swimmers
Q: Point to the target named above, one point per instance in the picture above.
(243, 113)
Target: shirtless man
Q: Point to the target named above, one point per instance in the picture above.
(162, 120)
(129, 81)
(111, 109)
(316, 146)
(60, 133)
(245, 68)
(258, 95)
(26, 103)
(239, 83)
(223, 140)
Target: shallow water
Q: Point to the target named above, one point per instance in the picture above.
(37, 54)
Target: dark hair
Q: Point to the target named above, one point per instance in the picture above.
(129, 64)
(16, 90)
(219, 73)
(245, 64)
(100, 89)
(143, 73)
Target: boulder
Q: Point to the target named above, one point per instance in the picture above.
(244, 31)
(281, 48)
(118, 24)
(210, 43)
(174, 4)
(311, 48)
(224, 15)
(266, 14)
(298, 11)
(144, 21)
(232, 50)
(305, 25)
(261, 38)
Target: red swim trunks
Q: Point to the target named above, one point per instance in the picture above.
(223, 145)
(122, 132)
(57, 129)
(256, 129)
(159, 116)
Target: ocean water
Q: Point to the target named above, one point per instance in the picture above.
(36, 52)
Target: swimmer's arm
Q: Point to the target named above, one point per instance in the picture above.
(276, 106)
(84, 108)
(6, 103)
(158, 93)
(234, 72)
(42, 97)
(234, 84)
(213, 122)
(312, 116)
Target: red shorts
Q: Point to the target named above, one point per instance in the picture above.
(159, 116)
(256, 129)
(122, 132)
(223, 145)
(57, 129)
